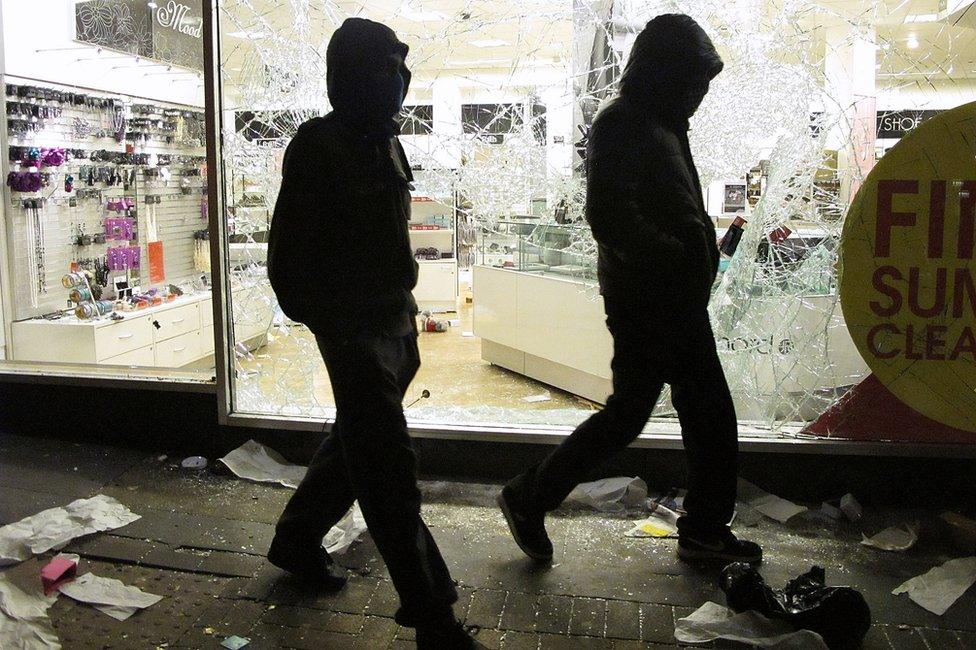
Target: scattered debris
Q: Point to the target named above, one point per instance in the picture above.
(663, 522)
(831, 511)
(467, 335)
(941, 586)
(962, 531)
(58, 571)
(23, 609)
(542, 397)
(235, 642)
(341, 536)
(777, 508)
(851, 508)
(768, 504)
(55, 527)
(711, 621)
(896, 538)
(611, 494)
(838, 615)
(194, 462)
(255, 462)
(109, 596)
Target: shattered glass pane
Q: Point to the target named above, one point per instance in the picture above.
(496, 120)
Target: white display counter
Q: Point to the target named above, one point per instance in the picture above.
(553, 329)
(170, 335)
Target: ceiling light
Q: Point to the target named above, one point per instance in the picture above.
(912, 42)
(490, 42)
(921, 18)
(151, 4)
(253, 36)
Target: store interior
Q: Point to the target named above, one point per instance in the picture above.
(106, 251)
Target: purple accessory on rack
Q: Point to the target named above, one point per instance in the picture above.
(52, 157)
(24, 181)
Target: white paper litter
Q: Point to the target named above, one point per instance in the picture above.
(23, 608)
(611, 494)
(108, 595)
(940, 587)
(255, 462)
(712, 621)
(777, 508)
(542, 397)
(341, 536)
(661, 523)
(896, 538)
(55, 527)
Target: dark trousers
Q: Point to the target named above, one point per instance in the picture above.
(646, 356)
(368, 456)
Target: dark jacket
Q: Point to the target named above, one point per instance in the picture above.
(339, 254)
(657, 249)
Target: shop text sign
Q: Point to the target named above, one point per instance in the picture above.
(908, 275)
(175, 16)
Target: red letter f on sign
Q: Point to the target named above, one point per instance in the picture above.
(887, 218)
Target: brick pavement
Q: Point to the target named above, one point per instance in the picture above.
(202, 537)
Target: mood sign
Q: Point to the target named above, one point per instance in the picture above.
(907, 270)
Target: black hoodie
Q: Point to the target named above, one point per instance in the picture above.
(657, 251)
(339, 254)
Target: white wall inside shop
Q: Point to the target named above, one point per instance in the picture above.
(39, 44)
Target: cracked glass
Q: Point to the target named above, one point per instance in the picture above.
(495, 126)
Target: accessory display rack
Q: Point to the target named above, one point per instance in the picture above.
(123, 157)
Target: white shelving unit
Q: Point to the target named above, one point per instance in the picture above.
(437, 285)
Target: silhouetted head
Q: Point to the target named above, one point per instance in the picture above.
(670, 67)
(366, 76)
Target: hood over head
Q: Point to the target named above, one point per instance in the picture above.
(366, 76)
(671, 56)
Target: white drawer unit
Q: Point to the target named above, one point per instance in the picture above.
(142, 357)
(207, 340)
(437, 286)
(119, 337)
(168, 335)
(179, 351)
(174, 322)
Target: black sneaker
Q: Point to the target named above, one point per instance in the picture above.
(311, 565)
(445, 637)
(724, 547)
(528, 528)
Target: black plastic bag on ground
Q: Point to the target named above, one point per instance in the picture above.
(838, 614)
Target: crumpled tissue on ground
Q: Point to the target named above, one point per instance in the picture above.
(768, 504)
(23, 609)
(941, 586)
(895, 538)
(255, 462)
(341, 536)
(55, 527)
(712, 621)
(611, 494)
(108, 595)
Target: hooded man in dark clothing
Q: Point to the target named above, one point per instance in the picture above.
(658, 259)
(340, 261)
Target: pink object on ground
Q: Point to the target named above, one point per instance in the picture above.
(57, 572)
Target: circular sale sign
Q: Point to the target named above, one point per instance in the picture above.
(908, 277)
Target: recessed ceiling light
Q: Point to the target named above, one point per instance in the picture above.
(912, 42)
(490, 42)
(921, 18)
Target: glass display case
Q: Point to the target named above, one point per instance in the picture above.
(544, 248)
